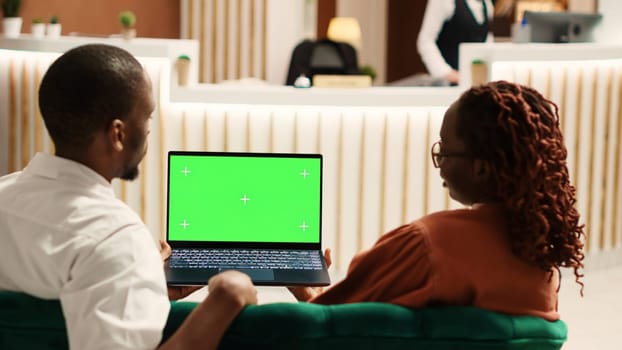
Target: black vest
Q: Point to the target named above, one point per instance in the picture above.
(461, 28)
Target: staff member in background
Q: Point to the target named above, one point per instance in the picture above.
(446, 24)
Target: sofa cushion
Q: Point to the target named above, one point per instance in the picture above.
(381, 326)
(31, 323)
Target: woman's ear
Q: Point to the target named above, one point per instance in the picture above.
(481, 170)
(116, 134)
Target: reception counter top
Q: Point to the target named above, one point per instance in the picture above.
(531, 54)
(288, 95)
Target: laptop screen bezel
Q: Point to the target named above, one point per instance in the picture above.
(238, 244)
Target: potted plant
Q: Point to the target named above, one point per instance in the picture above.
(11, 22)
(37, 28)
(127, 19)
(368, 70)
(53, 28)
(479, 72)
(183, 69)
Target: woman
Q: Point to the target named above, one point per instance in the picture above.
(501, 153)
(446, 24)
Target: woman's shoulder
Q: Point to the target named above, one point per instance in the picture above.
(477, 216)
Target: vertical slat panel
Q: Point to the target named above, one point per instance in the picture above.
(330, 145)
(231, 35)
(216, 40)
(264, 37)
(372, 181)
(283, 130)
(436, 195)
(616, 209)
(416, 165)
(394, 178)
(227, 25)
(237, 133)
(25, 116)
(348, 189)
(13, 115)
(260, 130)
(589, 156)
(239, 32)
(604, 180)
(203, 35)
(251, 39)
(40, 131)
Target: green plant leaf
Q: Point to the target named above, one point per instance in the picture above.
(127, 19)
(11, 8)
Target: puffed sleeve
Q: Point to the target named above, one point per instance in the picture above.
(397, 269)
(116, 297)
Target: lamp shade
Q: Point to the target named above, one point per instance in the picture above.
(345, 29)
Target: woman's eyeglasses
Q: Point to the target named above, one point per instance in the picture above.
(437, 155)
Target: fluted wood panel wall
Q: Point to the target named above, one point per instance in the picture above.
(377, 169)
(232, 37)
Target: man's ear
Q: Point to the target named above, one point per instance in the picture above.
(116, 134)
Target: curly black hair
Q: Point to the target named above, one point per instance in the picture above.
(517, 131)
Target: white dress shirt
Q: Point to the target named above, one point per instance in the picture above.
(436, 14)
(66, 236)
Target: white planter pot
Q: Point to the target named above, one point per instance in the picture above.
(183, 71)
(37, 30)
(53, 30)
(128, 33)
(12, 27)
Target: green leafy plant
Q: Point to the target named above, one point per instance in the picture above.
(10, 8)
(368, 70)
(127, 19)
(183, 57)
(54, 20)
(37, 20)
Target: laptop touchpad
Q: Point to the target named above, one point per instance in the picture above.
(257, 274)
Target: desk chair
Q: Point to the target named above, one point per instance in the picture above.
(322, 57)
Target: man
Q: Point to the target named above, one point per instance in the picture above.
(65, 235)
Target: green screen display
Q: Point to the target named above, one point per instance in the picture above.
(225, 198)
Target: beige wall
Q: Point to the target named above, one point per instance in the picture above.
(371, 15)
(154, 18)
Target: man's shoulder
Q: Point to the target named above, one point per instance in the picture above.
(8, 180)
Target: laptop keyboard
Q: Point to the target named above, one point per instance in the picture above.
(246, 259)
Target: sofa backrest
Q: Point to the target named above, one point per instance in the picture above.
(31, 323)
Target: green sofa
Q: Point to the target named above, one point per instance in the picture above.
(31, 323)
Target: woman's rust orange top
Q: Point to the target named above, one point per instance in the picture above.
(455, 257)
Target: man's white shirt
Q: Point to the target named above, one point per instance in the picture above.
(66, 236)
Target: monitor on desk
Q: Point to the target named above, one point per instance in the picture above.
(561, 27)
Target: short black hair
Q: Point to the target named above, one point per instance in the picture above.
(85, 89)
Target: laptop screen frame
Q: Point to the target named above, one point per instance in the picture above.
(237, 244)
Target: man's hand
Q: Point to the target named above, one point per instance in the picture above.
(234, 286)
(165, 250)
(453, 76)
(306, 293)
(175, 292)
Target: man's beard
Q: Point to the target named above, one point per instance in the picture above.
(130, 174)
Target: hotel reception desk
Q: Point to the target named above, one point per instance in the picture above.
(375, 141)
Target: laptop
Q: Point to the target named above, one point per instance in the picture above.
(259, 213)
